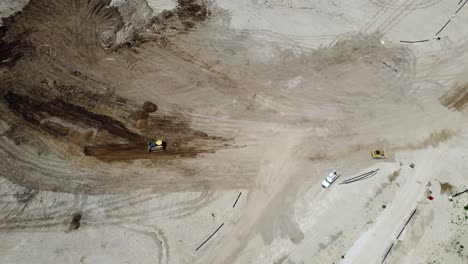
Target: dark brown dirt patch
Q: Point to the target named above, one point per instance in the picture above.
(75, 222)
(193, 9)
(8, 56)
(58, 118)
(434, 139)
(140, 115)
(122, 152)
(185, 16)
(445, 187)
(392, 177)
(107, 138)
(150, 107)
(457, 98)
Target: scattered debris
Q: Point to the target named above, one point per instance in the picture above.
(412, 165)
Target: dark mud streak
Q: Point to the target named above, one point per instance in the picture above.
(131, 151)
(445, 187)
(456, 99)
(8, 57)
(191, 9)
(75, 222)
(35, 112)
(460, 104)
(175, 129)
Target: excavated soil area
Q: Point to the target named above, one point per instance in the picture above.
(46, 91)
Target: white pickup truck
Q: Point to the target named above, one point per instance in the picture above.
(330, 179)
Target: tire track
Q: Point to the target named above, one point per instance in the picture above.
(119, 209)
(157, 235)
(396, 17)
(421, 4)
(50, 172)
(382, 12)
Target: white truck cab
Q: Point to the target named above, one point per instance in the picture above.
(330, 179)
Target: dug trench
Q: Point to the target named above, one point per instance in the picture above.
(41, 88)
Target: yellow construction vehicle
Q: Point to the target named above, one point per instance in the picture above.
(378, 154)
(156, 146)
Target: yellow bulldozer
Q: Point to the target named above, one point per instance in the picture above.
(378, 154)
(156, 146)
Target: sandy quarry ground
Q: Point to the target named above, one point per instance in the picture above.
(258, 100)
